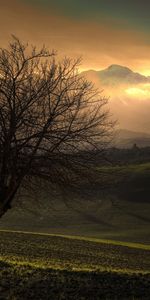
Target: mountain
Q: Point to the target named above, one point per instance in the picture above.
(116, 74)
(129, 96)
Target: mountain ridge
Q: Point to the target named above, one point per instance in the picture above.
(117, 74)
(128, 93)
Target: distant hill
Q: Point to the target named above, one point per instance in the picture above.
(126, 138)
(116, 74)
(118, 212)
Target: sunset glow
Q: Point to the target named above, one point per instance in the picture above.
(97, 31)
(101, 33)
(138, 92)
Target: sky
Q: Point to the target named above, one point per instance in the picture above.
(102, 32)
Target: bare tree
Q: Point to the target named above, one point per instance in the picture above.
(49, 115)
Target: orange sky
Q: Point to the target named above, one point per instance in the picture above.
(100, 43)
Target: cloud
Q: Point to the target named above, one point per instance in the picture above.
(112, 37)
(141, 92)
(100, 43)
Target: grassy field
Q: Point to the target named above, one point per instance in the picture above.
(96, 244)
(37, 266)
(120, 212)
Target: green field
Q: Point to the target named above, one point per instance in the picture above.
(37, 266)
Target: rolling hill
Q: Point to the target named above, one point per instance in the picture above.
(127, 138)
(119, 211)
(40, 266)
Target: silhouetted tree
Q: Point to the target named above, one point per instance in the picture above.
(49, 116)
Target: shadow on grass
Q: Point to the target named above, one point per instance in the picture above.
(25, 282)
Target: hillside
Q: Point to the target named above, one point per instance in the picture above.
(90, 245)
(120, 211)
(36, 266)
(127, 138)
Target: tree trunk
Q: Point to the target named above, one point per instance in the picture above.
(6, 198)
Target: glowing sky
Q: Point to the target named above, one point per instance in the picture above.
(103, 32)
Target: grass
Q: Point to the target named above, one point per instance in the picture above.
(93, 248)
(77, 253)
(82, 238)
(108, 217)
(127, 172)
(128, 168)
(42, 266)
(48, 284)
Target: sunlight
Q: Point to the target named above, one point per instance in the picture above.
(145, 72)
(137, 92)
